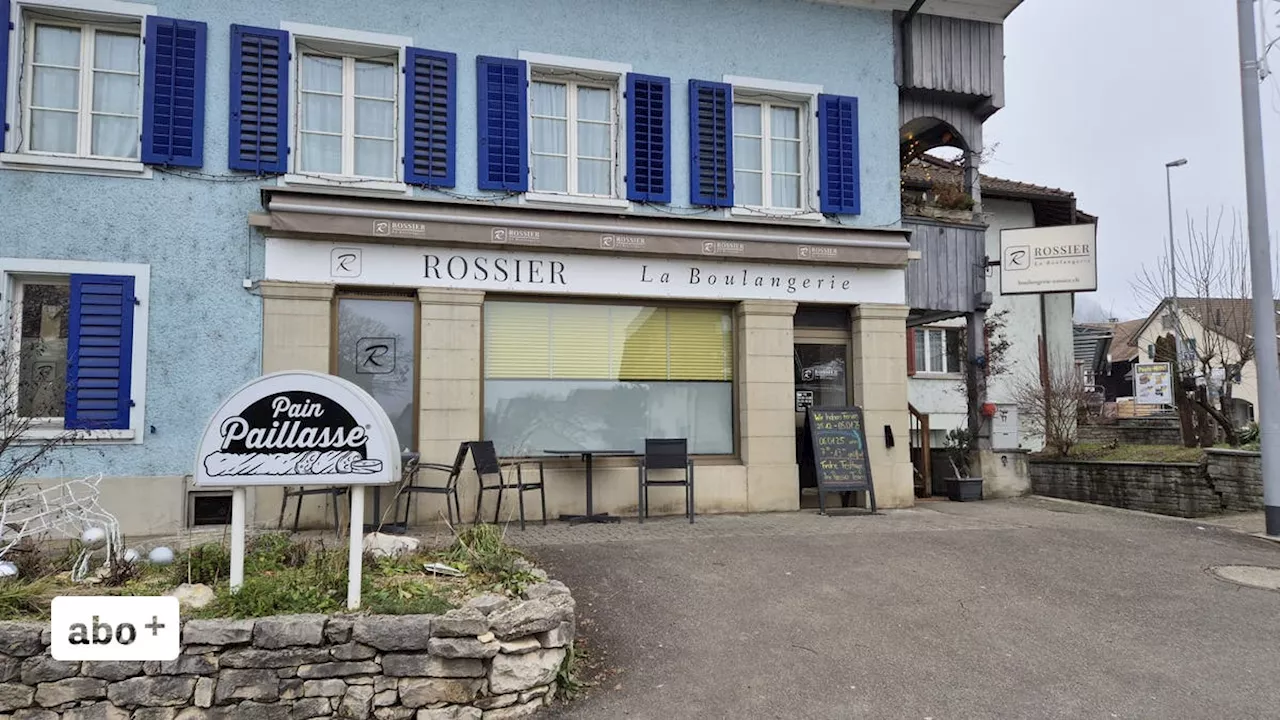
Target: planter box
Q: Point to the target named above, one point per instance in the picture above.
(966, 490)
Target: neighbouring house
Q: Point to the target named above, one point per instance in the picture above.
(1218, 343)
(676, 223)
(936, 348)
(1107, 354)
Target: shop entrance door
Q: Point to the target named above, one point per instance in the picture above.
(821, 380)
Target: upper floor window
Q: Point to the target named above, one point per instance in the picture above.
(768, 147)
(573, 135)
(347, 124)
(81, 88)
(938, 350)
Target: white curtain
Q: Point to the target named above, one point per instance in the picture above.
(55, 84)
(115, 95)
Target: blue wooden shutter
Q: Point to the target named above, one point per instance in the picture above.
(839, 182)
(259, 100)
(648, 138)
(502, 101)
(711, 143)
(429, 127)
(173, 92)
(4, 68)
(99, 352)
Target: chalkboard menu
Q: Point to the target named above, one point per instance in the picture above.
(838, 451)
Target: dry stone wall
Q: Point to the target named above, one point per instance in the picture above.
(494, 659)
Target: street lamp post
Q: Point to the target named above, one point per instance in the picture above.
(1173, 268)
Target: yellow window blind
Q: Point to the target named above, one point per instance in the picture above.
(580, 341)
(640, 343)
(517, 340)
(606, 342)
(698, 342)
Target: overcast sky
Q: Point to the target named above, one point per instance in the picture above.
(1100, 94)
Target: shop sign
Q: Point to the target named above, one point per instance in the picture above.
(1048, 260)
(1153, 383)
(298, 428)
(804, 400)
(509, 270)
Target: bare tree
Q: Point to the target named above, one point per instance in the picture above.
(1214, 288)
(30, 392)
(1051, 405)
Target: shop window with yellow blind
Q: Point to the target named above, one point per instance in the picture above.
(605, 377)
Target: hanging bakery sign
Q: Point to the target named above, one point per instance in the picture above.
(298, 428)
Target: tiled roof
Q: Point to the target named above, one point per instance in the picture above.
(926, 170)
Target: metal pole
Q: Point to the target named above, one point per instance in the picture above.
(1173, 270)
(1264, 306)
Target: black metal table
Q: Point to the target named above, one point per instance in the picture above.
(591, 516)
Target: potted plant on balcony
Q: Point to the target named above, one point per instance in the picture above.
(963, 487)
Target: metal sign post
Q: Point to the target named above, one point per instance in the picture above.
(298, 428)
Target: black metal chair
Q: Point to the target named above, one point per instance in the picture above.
(487, 464)
(449, 489)
(300, 492)
(666, 454)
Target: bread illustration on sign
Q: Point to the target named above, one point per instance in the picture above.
(292, 433)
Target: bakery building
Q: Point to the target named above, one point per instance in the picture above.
(505, 225)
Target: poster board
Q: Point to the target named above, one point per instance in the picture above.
(1153, 384)
(838, 451)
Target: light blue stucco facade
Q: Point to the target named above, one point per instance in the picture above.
(205, 325)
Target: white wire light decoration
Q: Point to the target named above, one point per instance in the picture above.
(69, 509)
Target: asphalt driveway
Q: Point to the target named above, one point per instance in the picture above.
(1015, 609)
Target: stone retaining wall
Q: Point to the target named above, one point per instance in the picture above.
(1179, 489)
(1132, 431)
(1236, 475)
(493, 659)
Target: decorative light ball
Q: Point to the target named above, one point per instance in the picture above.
(161, 556)
(8, 569)
(94, 538)
(132, 556)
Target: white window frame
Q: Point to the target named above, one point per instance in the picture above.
(13, 153)
(922, 353)
(782, 93)
(347, 44)
(589, 73)
(17, 271)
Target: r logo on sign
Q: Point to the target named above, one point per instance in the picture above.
(1017, 257)
(375, 355)
(345, 262)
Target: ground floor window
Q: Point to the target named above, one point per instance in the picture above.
(68, 349)
(377, 349)
(938, 350)
(606, 376)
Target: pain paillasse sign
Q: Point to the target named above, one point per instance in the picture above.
(298, 428)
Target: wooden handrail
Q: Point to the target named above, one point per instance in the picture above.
(926, 460)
